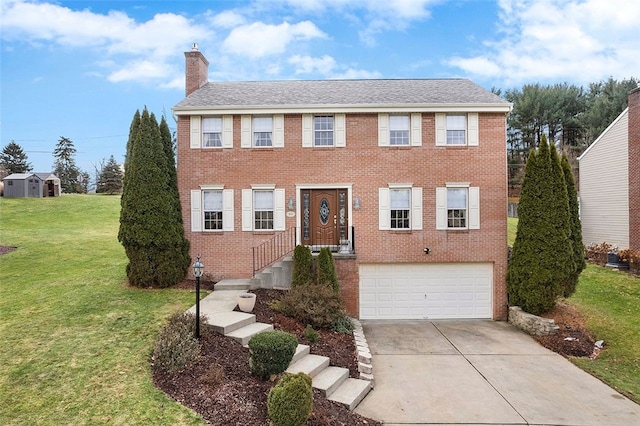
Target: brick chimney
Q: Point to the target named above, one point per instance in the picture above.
(634, 169)
(196, 70)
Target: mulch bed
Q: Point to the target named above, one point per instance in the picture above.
(220, 387)
(573, 338)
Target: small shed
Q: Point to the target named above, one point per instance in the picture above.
(35, 185)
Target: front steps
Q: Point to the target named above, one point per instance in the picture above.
(333, 382)
(276, 276)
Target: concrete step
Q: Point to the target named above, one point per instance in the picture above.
(233, 284)
(226, 322)
(310, 365)
(351, 392)
(301, 352)
(244, 334)
(329, 379)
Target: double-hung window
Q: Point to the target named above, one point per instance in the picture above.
(323, 130)
(263, 210)
(212, 132)
(458, 207)
(456, 129)
(262, 131)
(400, 207)
(212, 209)
(399, 130)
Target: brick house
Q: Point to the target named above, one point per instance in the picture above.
(610, 182)
(404, 179)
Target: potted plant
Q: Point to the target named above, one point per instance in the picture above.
(246, 302)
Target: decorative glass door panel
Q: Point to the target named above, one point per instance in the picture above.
(324, 216)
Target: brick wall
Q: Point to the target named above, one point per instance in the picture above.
(634, 169)
(367, 167)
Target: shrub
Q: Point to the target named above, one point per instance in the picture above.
(176, 345)
(302, 266)
(632, 258)
(316, 305)
(597, 253)
(291, 400)
(326, 270)
(311, 334)
(271, 352)
(343, 325)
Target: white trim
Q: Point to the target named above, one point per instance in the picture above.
(344, 109)
(383, 129)
(307, 130)
(195, 132)
(383, 209)
(473, 207)
(441, 129)
(415, 133)
(247, 209)
(278, 131)
(339, 130)
(441, 208)
(416, 208)
(196, 210)
(227, 210)
(212, 187)
(263, 186)
(245, 131)
(472, 129)
(279, 206)
(227, 131)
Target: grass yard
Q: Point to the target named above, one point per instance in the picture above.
(75, 338)
(610, 302)
(512, 228)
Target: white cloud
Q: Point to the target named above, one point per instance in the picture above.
(353, 73)
(259, 39)
(227, 19)
(310, 65)
(559, 40)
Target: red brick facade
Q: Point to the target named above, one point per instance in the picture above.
(634, 169)
(364, 167)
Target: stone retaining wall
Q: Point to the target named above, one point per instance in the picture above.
(531, 324)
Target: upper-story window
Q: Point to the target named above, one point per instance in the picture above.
(263, 210)
(262, 131)
(456, 129)
(212, 132)
(212, 209)
(458, 207)
(323, 130)
(399, 130)
(400, 207)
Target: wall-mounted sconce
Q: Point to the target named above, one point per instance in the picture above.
(427, 250)
(291, 204)
(356, 203)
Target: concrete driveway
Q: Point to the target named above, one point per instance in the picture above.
(480, 372)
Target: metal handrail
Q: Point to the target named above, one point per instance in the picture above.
(274, 249)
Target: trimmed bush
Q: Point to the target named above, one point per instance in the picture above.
(343, 325)
(271, 352)
(316, 305)
(302, 266)
(291, 400)
(326, 270)
(176, 345)
(311, 334)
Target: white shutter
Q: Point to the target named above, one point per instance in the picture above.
(227, 131)
(472, 129)
(441, 129)
(196, 210)
(416, 208)
(227, 210)
(383, 129)
(474, 207)
(245, 131)
(441, 208)
(278, 131)
(416, 129)
(339, 131)
(383, 209)
(307, 130)
(278, 213)
(196, 132)
(247, 210)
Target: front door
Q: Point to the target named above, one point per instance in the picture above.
(323, 217)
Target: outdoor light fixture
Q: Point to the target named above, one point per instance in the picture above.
(427, 250)
(198, 269)
(292, 203)
(356, 203)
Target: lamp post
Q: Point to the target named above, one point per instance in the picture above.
(198, 269)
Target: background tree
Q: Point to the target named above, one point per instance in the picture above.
(541, 259)
(152, 236)
(14, 160)
(65, 166)
(110, 178)
(575, 229)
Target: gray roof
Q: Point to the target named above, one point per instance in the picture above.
(366, 93)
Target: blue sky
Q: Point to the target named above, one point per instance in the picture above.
(80, 69)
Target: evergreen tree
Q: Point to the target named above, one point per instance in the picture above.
(327, 270)
(541, 259)
(302, 267)
(149, 231)
(110, 180)
(576, 229)
(14, 160)
(65, 166)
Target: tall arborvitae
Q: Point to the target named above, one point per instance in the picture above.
(576, 229)
(149, 230)
(541, 258)
(167, 144)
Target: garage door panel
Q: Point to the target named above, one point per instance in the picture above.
(431, 291)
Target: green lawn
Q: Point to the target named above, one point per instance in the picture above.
(75, 338)
(512, 228)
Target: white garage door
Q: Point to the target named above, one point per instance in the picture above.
(419, 291)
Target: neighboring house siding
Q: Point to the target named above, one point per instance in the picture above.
(604, 190)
